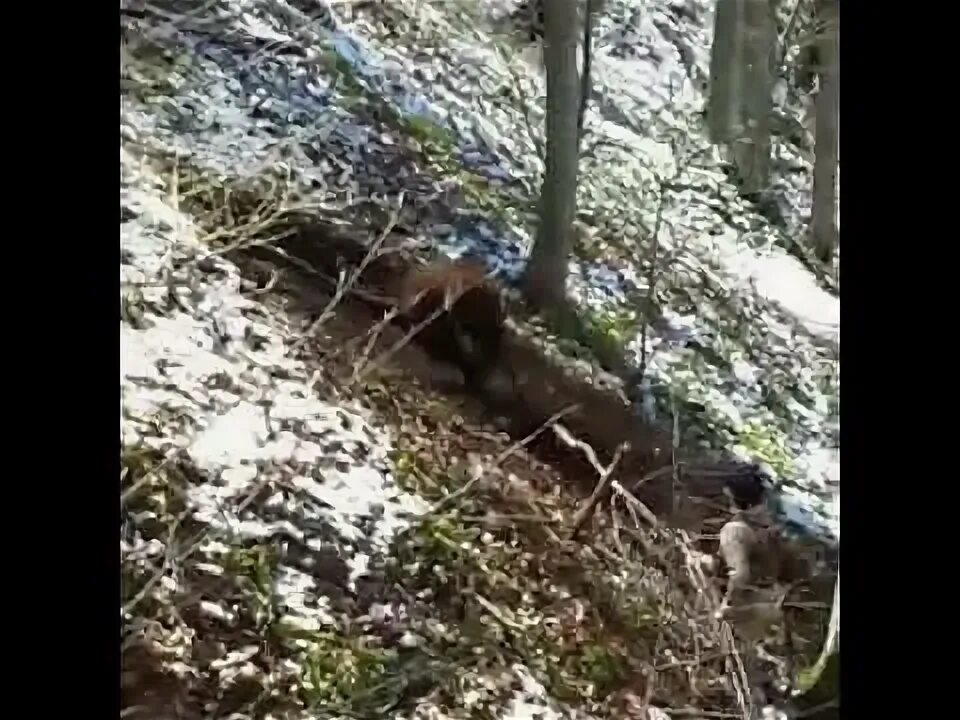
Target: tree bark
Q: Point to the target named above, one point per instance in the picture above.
(824, 231)
(740, 103)
(545, 282)
(752, 150)
(726, 77)
(585, 84)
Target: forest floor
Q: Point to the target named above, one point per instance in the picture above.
(309, 534)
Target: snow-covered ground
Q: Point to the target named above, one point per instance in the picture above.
(262, 94)
(254, 95)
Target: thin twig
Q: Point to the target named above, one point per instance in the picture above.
(509, 517)
(374, 334)
(497, 460)
(635, 503)
(785, 37)
(369, 366)
(345, 286)
(538, 146)
(817, 708)
(584, 513)
(696, 712)
(651, 286)
(567, 438)
(147, 475)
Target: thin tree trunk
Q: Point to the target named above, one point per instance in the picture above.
(545, 281)
(585, 85)
(825, 234)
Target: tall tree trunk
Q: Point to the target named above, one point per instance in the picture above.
(740, 102)
(825, 235)
(545, 281)
(726, 76)
(752, 150)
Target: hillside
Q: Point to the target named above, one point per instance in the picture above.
(307, 534)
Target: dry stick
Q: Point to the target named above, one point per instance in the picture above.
(275, 276)
(615, 536)
(584, 513)
(738, 673)
(569, 440)
(126, 494)
(499, 459)
(518, 85)
(651, 287)
(498, 613)
(653, 475)
(449, 302)
(785, 37)
(245, 242)
(342, 288)
(368, 367)
(508, 517)
(827, 705)
(634, 503)
(370, 297)
(591, 148)
(374, 334)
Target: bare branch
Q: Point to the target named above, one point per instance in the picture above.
(346, 285)
(583, 514)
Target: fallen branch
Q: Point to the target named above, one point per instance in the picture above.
(345, 285)
(634, 503)
(651, 298)
(497, 460)
(567, 438)
(586, 511)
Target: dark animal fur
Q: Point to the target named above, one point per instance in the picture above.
(469, 334)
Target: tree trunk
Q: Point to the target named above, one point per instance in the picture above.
(726, 78)
(545, 281)
(740, 102)
(752, 148)
(825, 235)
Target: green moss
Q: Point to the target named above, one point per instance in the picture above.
(347, 672)
(150, 481)
(602, 335)
(258, 563)
(602, 665)
(766, 444)
(616, 326)
(255, 568)
(443, 543)
(405, 469)
(413, 475)
(439, 139)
